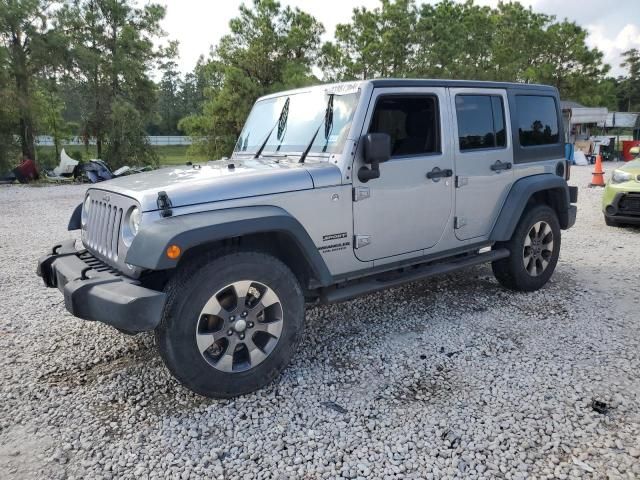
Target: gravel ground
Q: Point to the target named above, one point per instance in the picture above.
(450, 377)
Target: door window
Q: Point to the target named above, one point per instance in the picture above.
(480, 122)
(412, 122)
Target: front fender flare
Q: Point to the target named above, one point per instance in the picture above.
(148, 248)
(518, 198)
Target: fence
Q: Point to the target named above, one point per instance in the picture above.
(158, 140)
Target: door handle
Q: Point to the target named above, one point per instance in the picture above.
(499, 166)
(436, 174)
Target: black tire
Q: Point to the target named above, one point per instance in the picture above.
(192, 287)
(512, 272)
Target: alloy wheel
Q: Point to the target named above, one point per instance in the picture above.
(239, 326)
(538, 248)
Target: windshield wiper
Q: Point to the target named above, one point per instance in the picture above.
(327, 121)
(281, 124)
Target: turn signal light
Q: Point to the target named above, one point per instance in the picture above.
(173, 251)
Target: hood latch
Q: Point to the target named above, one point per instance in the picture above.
(164, 204)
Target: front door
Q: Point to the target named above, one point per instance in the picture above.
(404, 211)
(483, 158)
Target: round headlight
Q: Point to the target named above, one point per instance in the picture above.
(134, 220)
(131, 225)
(85, 211)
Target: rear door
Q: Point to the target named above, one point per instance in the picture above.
(483, 154)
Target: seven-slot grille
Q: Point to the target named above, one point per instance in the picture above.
(630, 204)
(102, 231)
(104, 222)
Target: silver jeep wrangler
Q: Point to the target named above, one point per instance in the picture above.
(332, 192)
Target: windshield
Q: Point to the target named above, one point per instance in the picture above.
(291, 121)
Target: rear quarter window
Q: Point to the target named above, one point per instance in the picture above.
(537, 120)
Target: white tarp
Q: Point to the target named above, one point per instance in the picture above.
(579, 158)
(67, 164)
(621, 120)
(589, 115)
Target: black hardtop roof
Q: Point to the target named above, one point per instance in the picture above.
(419, 82)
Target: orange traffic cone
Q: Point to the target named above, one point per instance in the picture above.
(597, 179)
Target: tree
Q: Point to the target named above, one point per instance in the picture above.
(8, 115)
(114, 51)
(377, 43)
(630, 85)
(270, 48)
(170, 109)
(31, 44)
(468, 41)
(49, 106)
(566, 62)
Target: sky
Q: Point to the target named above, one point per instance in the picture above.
(613, 26)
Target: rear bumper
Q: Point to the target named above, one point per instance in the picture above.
(95, 292)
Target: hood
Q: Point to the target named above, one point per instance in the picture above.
(221, 180)
(632, 167)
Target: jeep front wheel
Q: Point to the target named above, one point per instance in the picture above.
(534, 247)
(232, 324)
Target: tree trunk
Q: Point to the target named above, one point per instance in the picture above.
(27, 139)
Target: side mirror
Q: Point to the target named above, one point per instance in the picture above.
(377, 149)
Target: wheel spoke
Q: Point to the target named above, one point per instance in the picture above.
(242, 291)
(272, 328)
(527, 239)
(543, 264)
(256, 355)
(205, 340)
(544, 231)
(531, 264)
(225, 363)
(212, 307)
(536, 229)
(267, 299)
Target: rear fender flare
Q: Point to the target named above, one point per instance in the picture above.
(518, 198)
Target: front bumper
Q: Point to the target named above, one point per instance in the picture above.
(94, 291)
(621, 205)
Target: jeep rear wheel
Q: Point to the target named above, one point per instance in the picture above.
(534, 247)
(232, 324)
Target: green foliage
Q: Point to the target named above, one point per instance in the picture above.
(113, 51)
(468, 41)
(8, 117)
(49, 108)
(30, 44)
(127, 142)
(270, 48)
(630, 86)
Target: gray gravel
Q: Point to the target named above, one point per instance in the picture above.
(451, 377)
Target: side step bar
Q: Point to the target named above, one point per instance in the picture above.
(384, 281)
